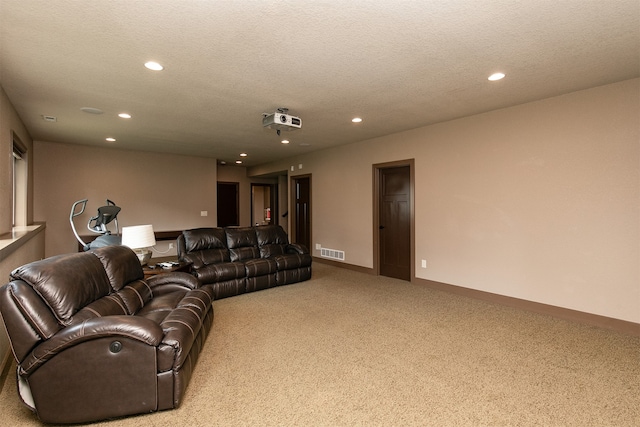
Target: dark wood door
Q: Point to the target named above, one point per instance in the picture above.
(228, 204)
(395, 222)
(302, 211)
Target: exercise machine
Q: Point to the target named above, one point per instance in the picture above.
(97, 224)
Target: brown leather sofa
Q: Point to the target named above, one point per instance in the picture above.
(235, 260)
(93, 341)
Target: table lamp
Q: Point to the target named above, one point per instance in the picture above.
(140, 238)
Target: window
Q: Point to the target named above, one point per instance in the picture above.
(19, 182)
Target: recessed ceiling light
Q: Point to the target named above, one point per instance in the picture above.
(153, 66)
(243, 154)
(111, 139)
(239, 162)
(496, 76)
(124, 115)
(285, 141)
(356, 120)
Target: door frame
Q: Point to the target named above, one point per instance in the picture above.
(292, 208)
(377, 168)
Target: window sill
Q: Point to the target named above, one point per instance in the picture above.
(11, 242)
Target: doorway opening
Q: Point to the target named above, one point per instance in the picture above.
(264, 206)
(228, 204)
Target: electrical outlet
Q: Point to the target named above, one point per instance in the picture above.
(424, 263)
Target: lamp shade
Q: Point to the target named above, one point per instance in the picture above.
(138, 236)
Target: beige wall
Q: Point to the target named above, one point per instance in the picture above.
(10, 123)
(164, 190)
(539, 201)
(13, 252)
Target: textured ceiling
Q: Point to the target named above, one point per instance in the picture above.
(398, 65)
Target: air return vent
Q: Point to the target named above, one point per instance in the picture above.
(332, 253)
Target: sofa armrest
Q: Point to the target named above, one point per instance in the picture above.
(297, 248)
(170, 282)
(124, 327)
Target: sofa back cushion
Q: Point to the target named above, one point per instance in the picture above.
(27, 318)
(121, 265)
(271, 235)
(204, 238)
(203, 246)
(66, 283)
(272, 240)
(128, 300)
(242, 243)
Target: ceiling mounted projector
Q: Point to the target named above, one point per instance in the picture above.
(280, 120)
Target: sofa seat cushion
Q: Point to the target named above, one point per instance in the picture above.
(161, 306)
(291, 261)
(260, 267)
(220, 272)
(243, 254)
(272, 250)
(180, 315)
(205, 257)
(182, 326)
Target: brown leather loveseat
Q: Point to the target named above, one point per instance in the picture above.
(235, 260)
(93, 341)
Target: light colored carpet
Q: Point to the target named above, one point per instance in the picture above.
(349, 349)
